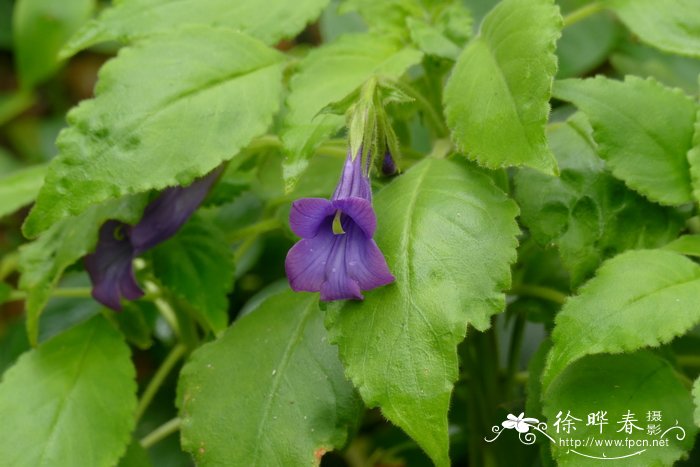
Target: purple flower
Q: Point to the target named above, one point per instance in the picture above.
(388, 165)
(110, 266)
(337, 255)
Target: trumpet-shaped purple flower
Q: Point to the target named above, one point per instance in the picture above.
(337, 255)
(110, 266)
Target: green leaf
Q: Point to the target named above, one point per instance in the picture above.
(130, 20)
(136, 322)
(327, 75)
(43, 261)
(643, 129)
(638, 383)
(497, 97)
(431, 40)
(5, 291)
(696, 399)
(167, 111)
(638, 299)
(688, 245)
(73, 400)
(197, 266)
(13, 104)
(6, 24)
(586, 212)
(674, 28)
(40, 29)
(633, 58)
(136, 456)
(584, 46)
(288, 405)
(448, 235)
(20, 188)
(386, 15)
(13, 343)
(694, 158)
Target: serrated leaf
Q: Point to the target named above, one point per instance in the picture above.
(586, 212)
(40, 29)
(130, 20)
(448, 235)
(688, 245)
(638, 299)
(674, 28)
(643, 129)
(288, 405)
(20, 187)
(327, 75)
(638, 383)
(43, 261)
(497, 97)
(167, 111)
(71, 400)
(197, 266)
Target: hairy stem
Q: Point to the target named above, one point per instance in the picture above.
(265, 225)
(65, 292)
(582, 13)
(173, 357)
(160, 433)
(538, 291)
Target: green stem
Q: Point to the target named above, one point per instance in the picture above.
(265, 225)
(424, 104)
(333, 147)
(173, 357)
(688, 360)
(65, 292)
(538, 291)
(163, 307)
(516, 345)
(693, 225)
(8, 265)
(582, 13)
(160, 433)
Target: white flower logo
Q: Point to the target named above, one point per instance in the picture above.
(521, 424)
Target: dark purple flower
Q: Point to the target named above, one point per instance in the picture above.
(388, 165)
(110, 266)
(337, 255)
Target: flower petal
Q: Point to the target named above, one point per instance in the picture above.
(364, 261)
(305, 264)
(360, 211)
(353, 182)
(165, 215)
(522, 427)
(338, 284)
(509, 424)
(307, 214)
(110, 267)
